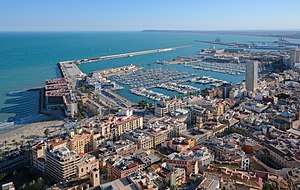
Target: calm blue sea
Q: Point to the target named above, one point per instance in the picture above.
(28, 59)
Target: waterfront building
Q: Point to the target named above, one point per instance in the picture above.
(70, 105)
(58, 96)
(294, 57)
(61, 164)
(251, 76)
(57, 143)
(38, 157)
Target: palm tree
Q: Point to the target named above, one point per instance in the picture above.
(47, 132)
(29, 143)
(1, 153)
(7, 149)
(13, 141)
(16, 144)
(5, 143)
(22, 145)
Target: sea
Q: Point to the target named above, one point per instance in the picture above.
(27, 59)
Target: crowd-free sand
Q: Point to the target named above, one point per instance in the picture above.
(30, 132)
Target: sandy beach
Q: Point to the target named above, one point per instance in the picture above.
(30, 132)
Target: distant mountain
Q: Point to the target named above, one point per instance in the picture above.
(269, 33)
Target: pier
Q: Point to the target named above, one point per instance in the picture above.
(123, 55)
(116, 71)
(71, 72)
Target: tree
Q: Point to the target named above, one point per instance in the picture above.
(174, 187)
(83, 89)
(7, 149)
(5, 143)
(268, 186)
(29, 143)
(16, 144)
(2, 176)
(22, 145)
(47, 132)
(35, 185)
(40, 183)
(143, 103)
(1, 153)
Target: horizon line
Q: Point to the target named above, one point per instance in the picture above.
(188, 30)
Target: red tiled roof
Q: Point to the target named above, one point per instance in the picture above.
(126, 119)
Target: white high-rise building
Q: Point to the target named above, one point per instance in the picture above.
(251, 76)
(294, 57)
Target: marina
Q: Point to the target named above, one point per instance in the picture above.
(152, 77)
(88, 46)
(280, 44)
(226, 68)
(149, 94)
(180, 88)
(209, 80)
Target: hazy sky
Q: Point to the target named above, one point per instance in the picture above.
(123, 15)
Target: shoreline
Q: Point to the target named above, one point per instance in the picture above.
(29, 132)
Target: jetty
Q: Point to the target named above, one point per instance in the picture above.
(123, 55)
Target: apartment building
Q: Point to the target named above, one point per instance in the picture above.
(82, 143)
(61, 164)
